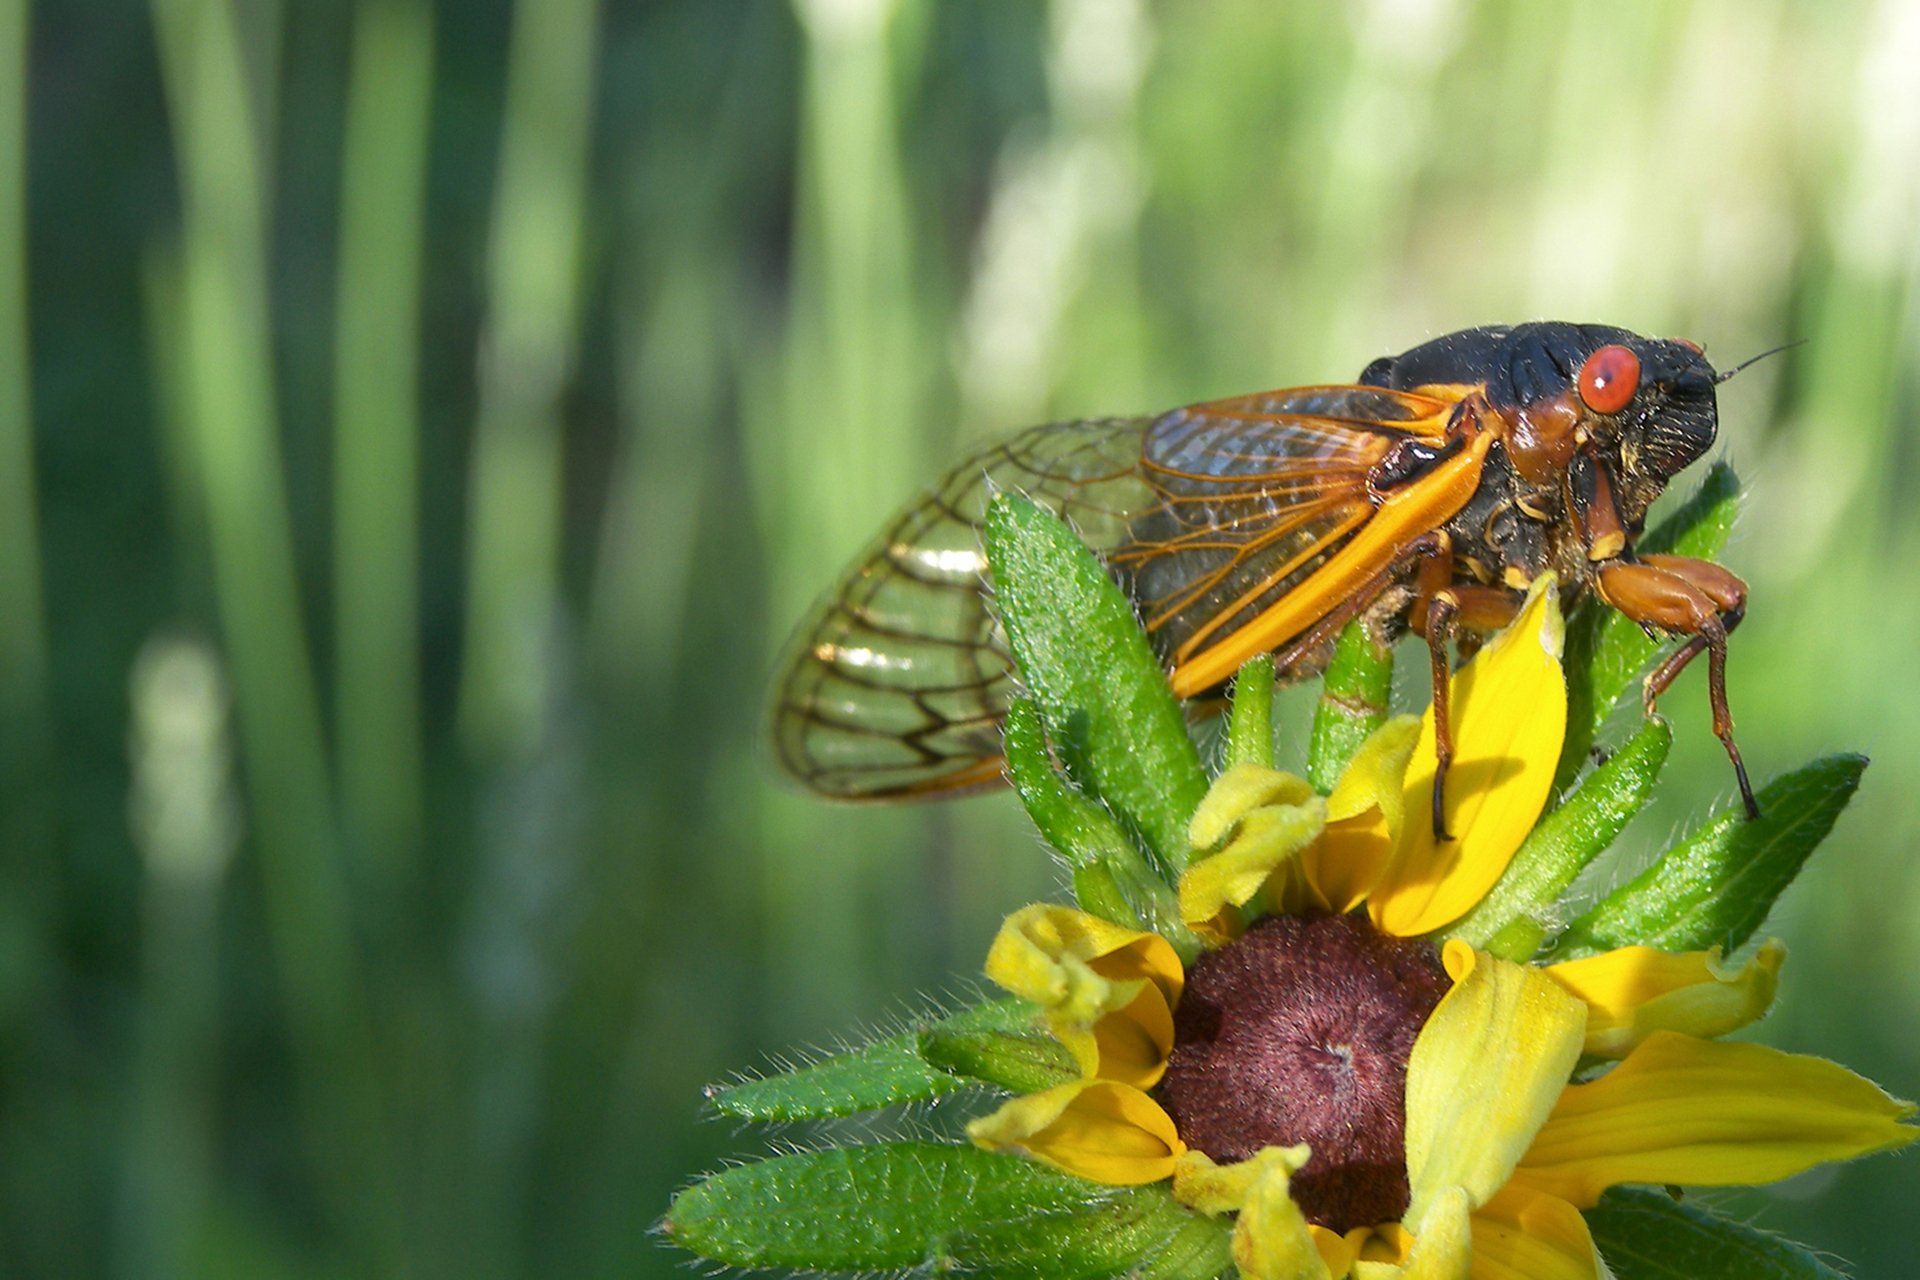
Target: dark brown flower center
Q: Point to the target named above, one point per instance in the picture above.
(1300, 1032)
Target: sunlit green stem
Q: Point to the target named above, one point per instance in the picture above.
(1353, 703)
(1715, 887)
(1250, 722)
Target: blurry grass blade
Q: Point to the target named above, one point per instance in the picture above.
(530, 340)
(1086, 662)
(1716, 887)
(1250, 720)
(912, 1205)
(1564, 842)
(1605, 649)
(23, 645)
(229, 403)
(1648, 1235)
(376, 425)
(184, 820)
(1111, 877)
(1353, 703)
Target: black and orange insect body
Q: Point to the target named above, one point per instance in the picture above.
(1427, 495)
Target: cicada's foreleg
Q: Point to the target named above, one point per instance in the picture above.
(1692, 598)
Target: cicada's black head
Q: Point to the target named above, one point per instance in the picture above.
(1673, 416)
(1646, 404)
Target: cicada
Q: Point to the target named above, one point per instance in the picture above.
(1424, 496)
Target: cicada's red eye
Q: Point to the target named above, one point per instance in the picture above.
(1609, 378)
(1691, 345)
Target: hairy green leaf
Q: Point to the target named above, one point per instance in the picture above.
(1648, 1235)
(923, 1205)
(888, 1072)
(1105, 700)
(1021, 1059)
(1717, 886)
(1111, 877)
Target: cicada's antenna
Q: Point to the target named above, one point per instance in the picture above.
(1719, 378)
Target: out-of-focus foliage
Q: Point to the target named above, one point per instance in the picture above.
(418, 426)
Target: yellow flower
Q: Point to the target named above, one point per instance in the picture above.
(1370, 1099)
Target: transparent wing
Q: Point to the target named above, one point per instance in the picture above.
(895, 685)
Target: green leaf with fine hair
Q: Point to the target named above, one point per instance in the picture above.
(1605, 649)
(1648, 1235)
(1105, 700)
(1112, 878)
(1509, 920)
(1353, 703)
(1717, 886)
(885, 1073)
(940, 1208)
(1020, 1059)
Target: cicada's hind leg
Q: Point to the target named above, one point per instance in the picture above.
(1448, 610)
(1692, 598)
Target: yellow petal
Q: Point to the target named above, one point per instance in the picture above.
(1522, 1234)
(1709, 1113)
(1443, 1252)
(1385, 1245)
(1337, 1251)
(1106, 1132)
(1443, 1247)
(1235, 794)
(1214, 1189)
(1376, 777)
(1128, 1046)
(1271, 1238)
(1263, 841)
(1363, 821)
(1509, 714)
(1484, 1074)
(1108, 992)
(1634, 991)
(1341, 868)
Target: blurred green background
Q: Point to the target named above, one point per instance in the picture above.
(419, 424)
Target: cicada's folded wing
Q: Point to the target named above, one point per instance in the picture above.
(1253, 496)
(895, 685)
